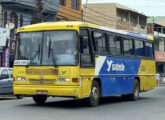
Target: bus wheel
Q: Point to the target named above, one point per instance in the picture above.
(136, 87)
(40, 99)
(19, 96)
(95, 94)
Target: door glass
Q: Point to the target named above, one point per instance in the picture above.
(86, 58)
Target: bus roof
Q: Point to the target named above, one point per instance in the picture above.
(75, 25)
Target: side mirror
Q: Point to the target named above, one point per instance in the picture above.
(83, 42)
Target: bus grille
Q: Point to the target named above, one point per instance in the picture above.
(42, 71)
(42, 81)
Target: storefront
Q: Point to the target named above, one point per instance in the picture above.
(160, 64)
(4, 44)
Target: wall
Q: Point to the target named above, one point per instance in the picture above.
(132, 21)
(101, 14)
(67, 13)
(53, 5)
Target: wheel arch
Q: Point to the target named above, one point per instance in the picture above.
(138, 79)
(99, 82)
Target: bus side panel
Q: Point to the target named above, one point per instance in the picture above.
(117, 85)
(147, 72)
(117, 74)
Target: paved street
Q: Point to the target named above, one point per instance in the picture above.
(150, 106)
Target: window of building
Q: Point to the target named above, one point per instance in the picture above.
(100, 42)
(114, 44)
(134, 19)
(142, 21)
(149, 49)
(139, 48)
(14, 19)
(62, 2)
(128, 46)
(75, 4)
(21, 20)
(5, 18)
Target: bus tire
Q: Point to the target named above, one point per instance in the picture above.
(40, 99)
(136, 87)
(19, 96)
(95, 94)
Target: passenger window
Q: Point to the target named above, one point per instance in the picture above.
(128, 46)
(4, 74)
(149, 49)
(114, 45)
(139, 48)
(100, 43)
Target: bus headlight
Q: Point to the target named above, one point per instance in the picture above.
(63, 80)
(21, 79)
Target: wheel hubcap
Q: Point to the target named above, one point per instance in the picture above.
(136, 91)
(95, 93)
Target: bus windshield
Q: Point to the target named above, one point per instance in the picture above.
(48, 47)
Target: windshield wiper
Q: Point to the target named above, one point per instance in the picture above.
(52, 53)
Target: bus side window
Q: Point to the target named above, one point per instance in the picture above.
(100, 43)
(128, 46)
(139, 48)
(149, 49)
(85, 48)
(114, 44)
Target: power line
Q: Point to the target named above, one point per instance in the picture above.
(93, 18)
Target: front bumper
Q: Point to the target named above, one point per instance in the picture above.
(60, 91)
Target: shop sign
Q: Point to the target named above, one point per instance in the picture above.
(160, 56)
(4, 35)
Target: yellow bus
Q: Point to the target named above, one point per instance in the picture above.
(82, 60)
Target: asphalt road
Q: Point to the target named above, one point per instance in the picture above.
(150, 106)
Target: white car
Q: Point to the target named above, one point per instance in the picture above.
(6, 81)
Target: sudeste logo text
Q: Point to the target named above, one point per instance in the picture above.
(115, 67)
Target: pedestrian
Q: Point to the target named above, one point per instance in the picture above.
(157, 78)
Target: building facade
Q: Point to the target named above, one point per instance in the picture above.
(15, 14)
(156, 27)
(69, 10)
(115, 16)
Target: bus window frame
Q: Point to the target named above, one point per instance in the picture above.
(138, 56)
(153, 57)
(91, 52)
(133, 46)
(106, 41)
(121, 44)
(17, 43)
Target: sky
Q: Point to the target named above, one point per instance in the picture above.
(147, 7)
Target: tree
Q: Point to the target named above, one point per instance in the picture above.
(38, 13)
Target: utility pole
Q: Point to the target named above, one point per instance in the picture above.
(38, 13)
(85, 10)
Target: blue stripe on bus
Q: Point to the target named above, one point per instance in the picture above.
(137, 35)
(117, 75)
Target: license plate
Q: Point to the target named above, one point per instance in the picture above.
(42, 92)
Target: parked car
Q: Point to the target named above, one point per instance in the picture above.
(6, 81)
